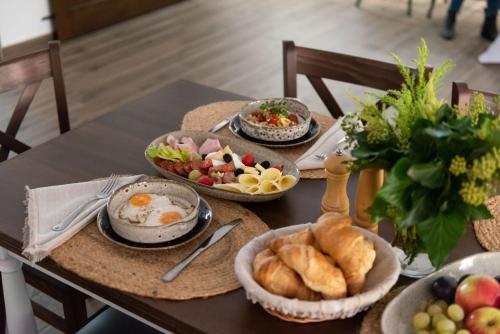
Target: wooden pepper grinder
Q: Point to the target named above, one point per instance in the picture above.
(335, 198)
(369, 182)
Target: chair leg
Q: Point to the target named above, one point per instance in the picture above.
(431, 9)
(409, 10)
(358, 3)
(75, 311)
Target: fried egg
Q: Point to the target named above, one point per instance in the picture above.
(140, 205)
(166, 215)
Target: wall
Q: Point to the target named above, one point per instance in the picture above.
(21, 20)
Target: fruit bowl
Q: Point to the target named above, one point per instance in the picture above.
(397, 317)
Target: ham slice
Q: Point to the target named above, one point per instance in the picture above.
(172, 142)
(187, 143)
(209, 146)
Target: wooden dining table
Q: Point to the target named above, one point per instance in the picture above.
(115, 143)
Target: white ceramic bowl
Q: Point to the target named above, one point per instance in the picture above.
(379, 280)
(273, 133)
(398, 315)
(178, 193)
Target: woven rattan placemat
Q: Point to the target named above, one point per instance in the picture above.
(488, 230)
(204, 117)
(371, 321)
(93, 257)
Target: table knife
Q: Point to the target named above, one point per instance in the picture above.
(216, 236)
(221, 124)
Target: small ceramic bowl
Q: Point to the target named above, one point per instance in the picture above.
(272, 133)
(178, 193)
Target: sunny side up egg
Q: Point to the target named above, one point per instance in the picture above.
(151, 210)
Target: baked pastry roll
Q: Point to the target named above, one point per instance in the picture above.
(304, 237)
(349, 249)
(274, 276)
(317, 272)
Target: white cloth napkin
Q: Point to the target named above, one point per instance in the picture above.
(48, 206)
(326, 144)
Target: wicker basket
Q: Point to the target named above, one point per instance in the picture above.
(379, 280)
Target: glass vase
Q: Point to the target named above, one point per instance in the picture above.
(418, 267)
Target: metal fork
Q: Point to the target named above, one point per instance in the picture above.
(105, 192)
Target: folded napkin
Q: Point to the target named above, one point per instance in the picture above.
(326, 144)
(48, 206)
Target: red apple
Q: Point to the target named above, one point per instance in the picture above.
(484, 320)
(477, 291)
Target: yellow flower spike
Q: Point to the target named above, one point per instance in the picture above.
(484, 167)
(458, 165)
(473, 194)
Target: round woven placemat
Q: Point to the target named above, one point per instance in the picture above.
(371, 321)
(204, 117)
(488, 230)
(92, 257)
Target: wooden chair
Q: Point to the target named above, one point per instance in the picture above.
(461, 94)
(27, 72)
(318, 64)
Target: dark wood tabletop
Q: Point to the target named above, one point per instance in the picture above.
(115, 143)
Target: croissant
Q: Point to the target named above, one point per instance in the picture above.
(304, 237)
(333, 218)
(348, 248)
(274, 276)
(316, 271)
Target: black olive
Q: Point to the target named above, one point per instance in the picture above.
(203, 156)
(227, 158)
(238, 171)
(266, 164)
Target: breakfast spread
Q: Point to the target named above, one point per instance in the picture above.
(274, 113)
(470, 305)
(330, 260)
(152, 210)
(212, 165)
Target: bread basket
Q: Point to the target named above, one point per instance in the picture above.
(379, 280)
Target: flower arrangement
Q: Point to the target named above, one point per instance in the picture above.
(443, 162)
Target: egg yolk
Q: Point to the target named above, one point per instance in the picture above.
(140, 200)
(170, 217)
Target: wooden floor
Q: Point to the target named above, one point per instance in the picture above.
(236, 45)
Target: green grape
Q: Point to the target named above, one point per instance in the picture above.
(194, 175)
(442, 304)
(455, 312)
(423, 332)
(436, 318)
(434, 309)
(421, 320)
(463, 331)
(446, 325)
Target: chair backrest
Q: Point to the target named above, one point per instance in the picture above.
(28, 72)
(461, 94)
(318, 64)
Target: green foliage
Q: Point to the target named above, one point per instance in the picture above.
(442, 162)
(277, 107)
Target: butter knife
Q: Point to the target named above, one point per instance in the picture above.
(221, 124)
(216, 236)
